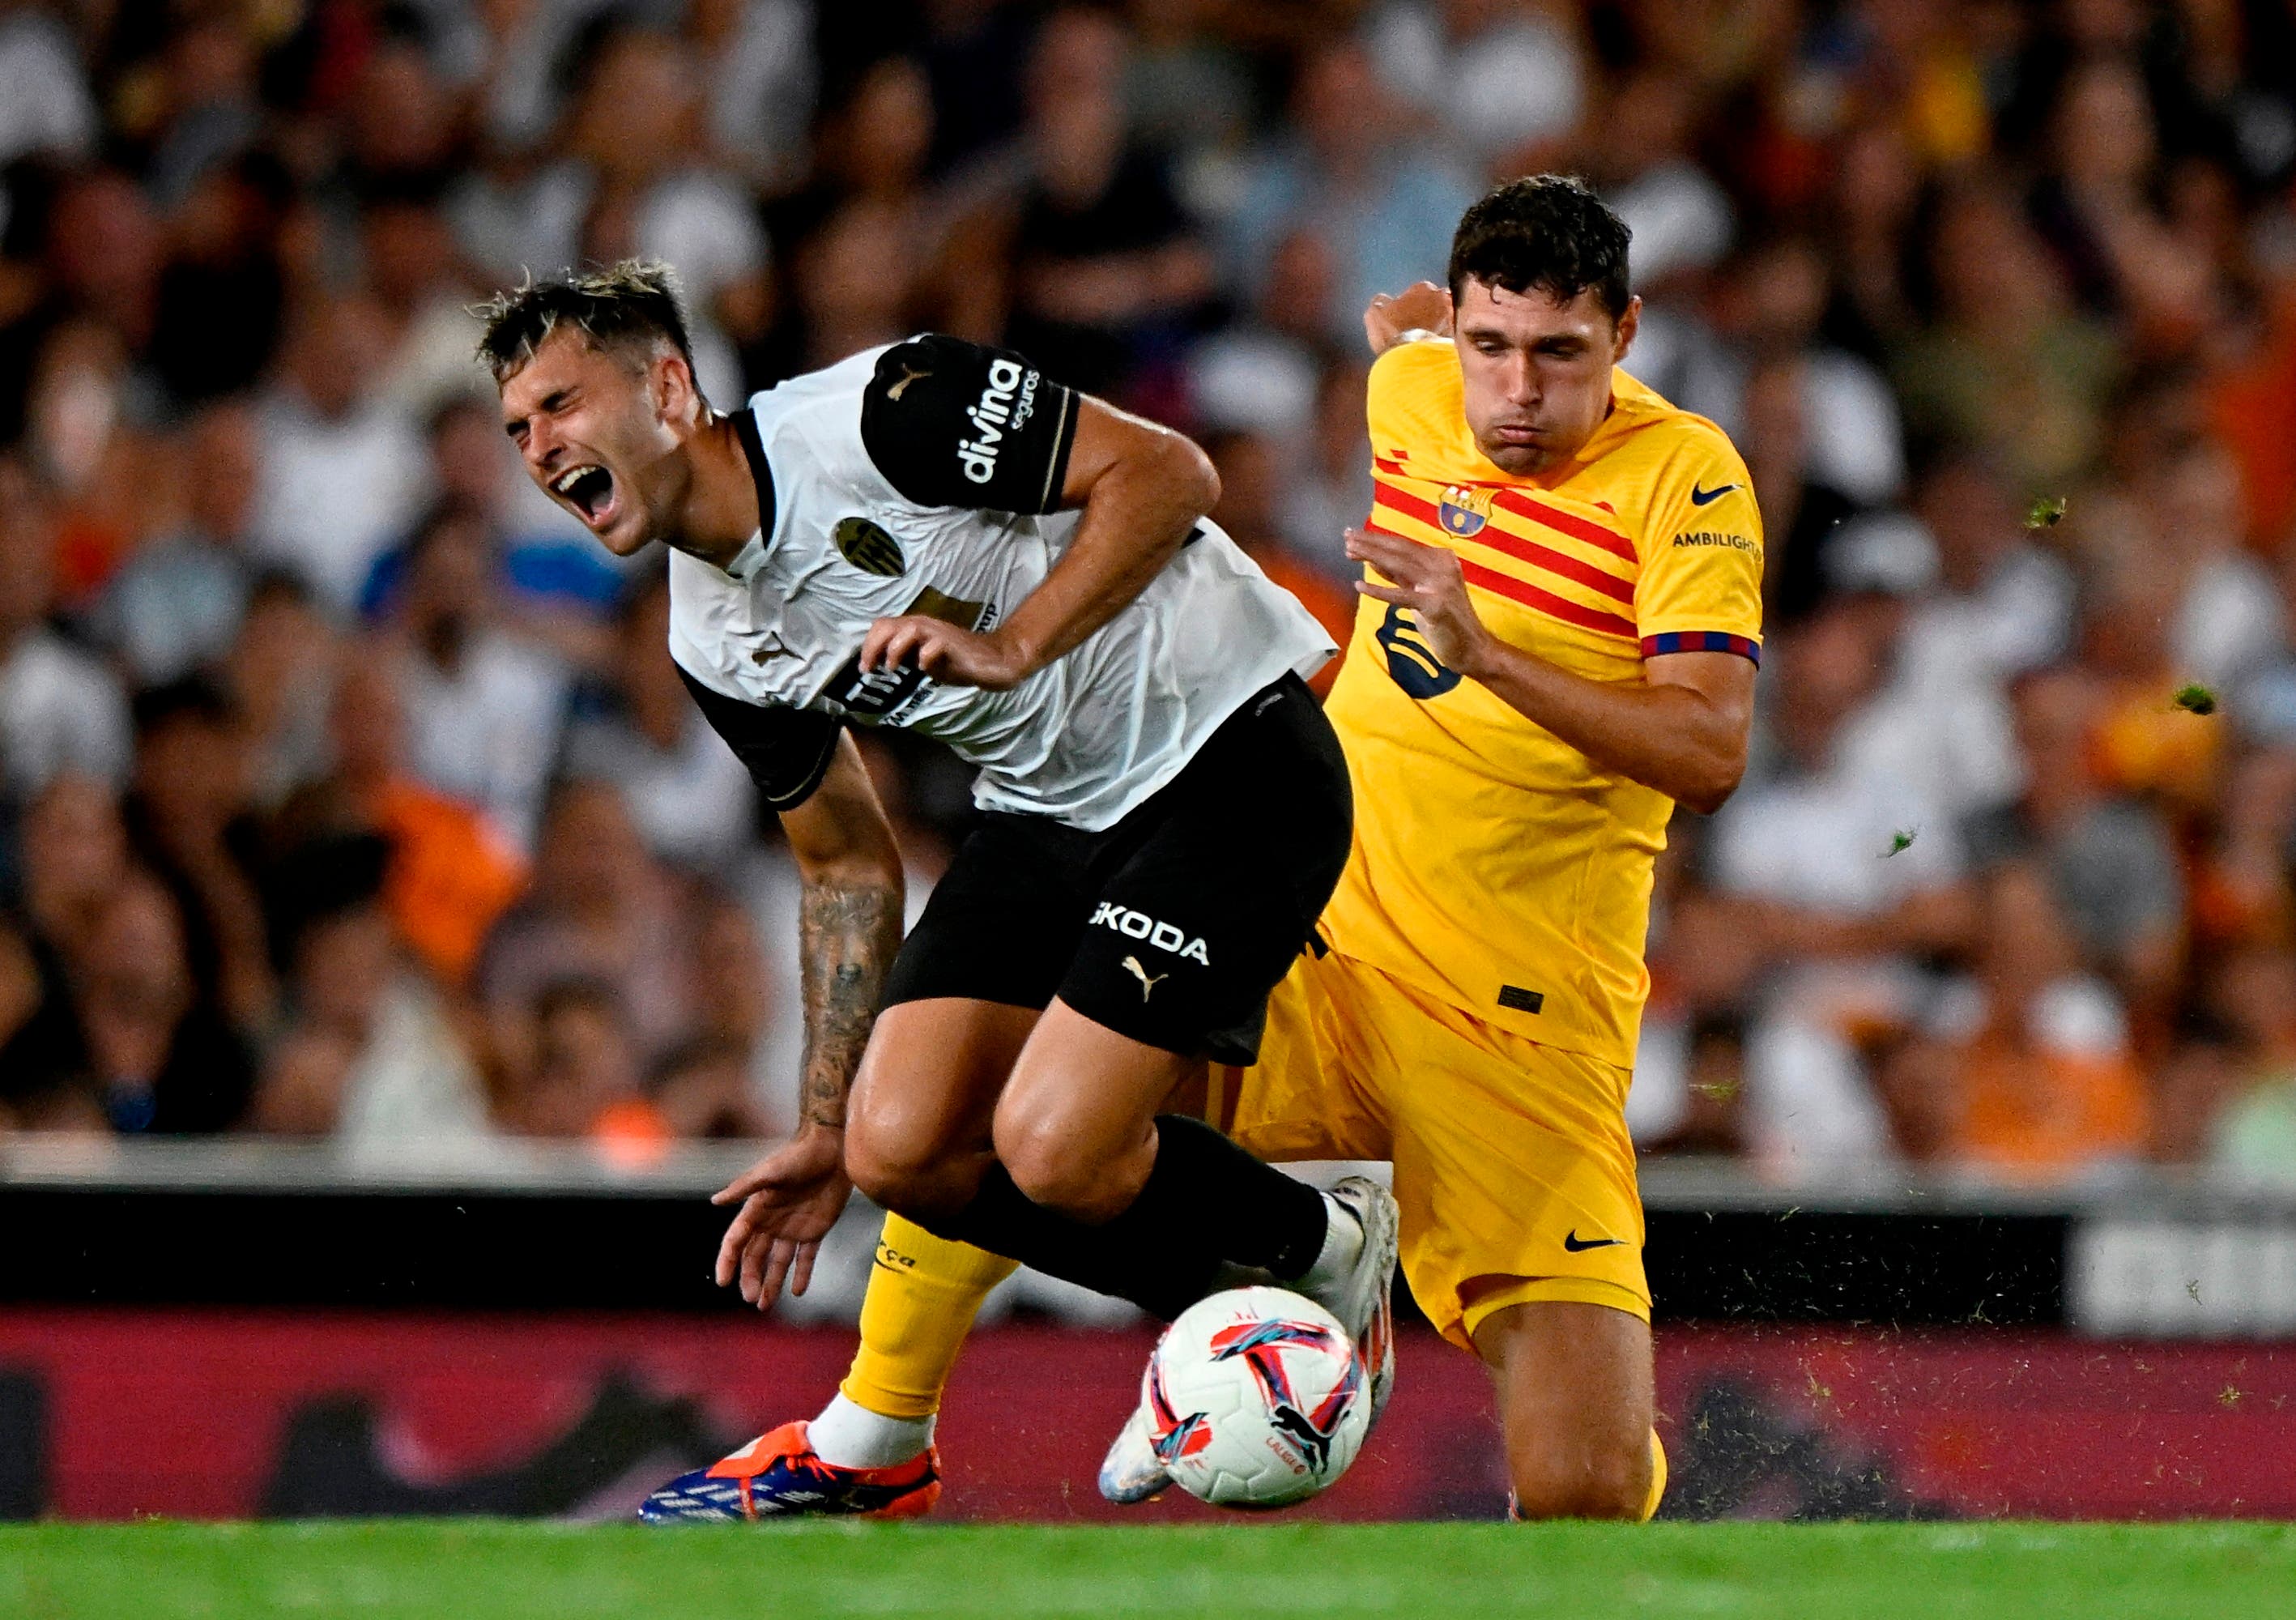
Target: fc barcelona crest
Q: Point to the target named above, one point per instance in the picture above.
(869, 547)
(1465, 511)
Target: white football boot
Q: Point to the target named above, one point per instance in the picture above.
(1360, 1296)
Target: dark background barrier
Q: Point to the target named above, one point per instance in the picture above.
(232, 1333)
(496, 1250)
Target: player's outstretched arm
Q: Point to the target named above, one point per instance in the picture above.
(1682, 729)
(849, 927)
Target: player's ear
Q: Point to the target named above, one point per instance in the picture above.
(669, 384)
(1629, 322)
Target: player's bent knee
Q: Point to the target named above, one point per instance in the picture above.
(899, 1175)
(1052, 1167)
(1611, 1482)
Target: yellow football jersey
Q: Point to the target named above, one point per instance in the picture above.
(1496, 865)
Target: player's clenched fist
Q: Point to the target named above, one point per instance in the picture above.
(1427, 581)
(1421, 306)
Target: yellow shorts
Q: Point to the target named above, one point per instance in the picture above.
(1512, 1165)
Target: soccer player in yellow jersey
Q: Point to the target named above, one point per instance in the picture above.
(1556, 646)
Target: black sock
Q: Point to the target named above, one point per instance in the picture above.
(1206, 1190)
(1207, 1202)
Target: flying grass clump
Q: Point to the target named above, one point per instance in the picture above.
(2046, 512)
(2196, 699)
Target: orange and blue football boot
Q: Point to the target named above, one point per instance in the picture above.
(780, 1476)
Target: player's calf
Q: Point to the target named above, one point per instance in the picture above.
(1605, 1481)
(1575, 1404)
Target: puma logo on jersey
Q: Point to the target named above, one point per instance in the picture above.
(1007, 402)
(1147, 985)
(908, 374)
(1139, 926)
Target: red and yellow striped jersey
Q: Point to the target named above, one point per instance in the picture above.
(1496, 865)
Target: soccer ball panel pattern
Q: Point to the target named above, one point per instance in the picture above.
(1258, 1400)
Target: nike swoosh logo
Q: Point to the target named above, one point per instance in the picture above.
(1700, 498)
(1574, 1242)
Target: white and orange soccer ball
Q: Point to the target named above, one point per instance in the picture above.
(1258, 1397)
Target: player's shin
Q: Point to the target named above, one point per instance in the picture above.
(1207, 1203)
(923, 1294)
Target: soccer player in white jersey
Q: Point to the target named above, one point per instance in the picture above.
(936, 535)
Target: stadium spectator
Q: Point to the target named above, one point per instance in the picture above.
(1382, 202)
(343, 465)
(1996, 302)
(2006, 361)
(163, 1060)
(2024, 1070)
(45, 105)
(1844, 868)
(2109, 860)
(485, 704)
(43, 1057)
(174, 606)
(73, 849)
(601, 909)
(370, 1055)
(451, 872)
(1088, 264)
(1508, 83)
(279, 671)
(702, 1091)
(584, 1081)
(59, 708)
(694, 803)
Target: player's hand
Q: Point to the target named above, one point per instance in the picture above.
(949, 653)
(1421, 306)
(1427, 581)
(789, 1199)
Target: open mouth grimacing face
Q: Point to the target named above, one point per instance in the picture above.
(590, 490)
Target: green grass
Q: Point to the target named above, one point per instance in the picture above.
(423, 1570)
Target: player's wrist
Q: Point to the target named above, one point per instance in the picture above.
(1016, 652)
(1478, 657)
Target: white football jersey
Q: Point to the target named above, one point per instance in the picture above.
(921, 478)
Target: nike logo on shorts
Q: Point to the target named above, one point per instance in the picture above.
(1579, 1246)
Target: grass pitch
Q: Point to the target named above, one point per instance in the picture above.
(500, 1571)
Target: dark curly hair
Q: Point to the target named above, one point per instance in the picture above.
(1550, 231)
(629, 305)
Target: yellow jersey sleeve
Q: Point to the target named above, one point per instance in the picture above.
(1412, 398)
(1700, 585)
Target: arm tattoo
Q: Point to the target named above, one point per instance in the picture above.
(847, 932)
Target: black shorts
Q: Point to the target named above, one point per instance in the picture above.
(1172, 926)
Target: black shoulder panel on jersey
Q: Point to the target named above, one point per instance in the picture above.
(950, 423)
(787, 751)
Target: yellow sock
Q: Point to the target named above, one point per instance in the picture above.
(923, 1293)
(1658, 1478)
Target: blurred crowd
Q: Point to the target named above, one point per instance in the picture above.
(346, 790)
